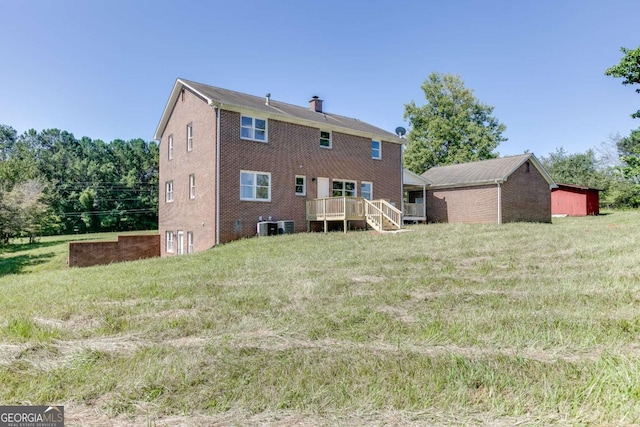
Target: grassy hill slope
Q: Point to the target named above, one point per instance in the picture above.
(534, 324)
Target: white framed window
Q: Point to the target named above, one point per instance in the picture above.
(253, 128)
(342, 188)
(169, 191)
(376, 149)
(189, 242)
(255, 186)
(325, 139)
(366, 190)
(301, 185)
(192, 186)
(170, 145)
(189, 137)
(169, 241)
(180, 248)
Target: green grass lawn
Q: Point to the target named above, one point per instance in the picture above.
(518, 324)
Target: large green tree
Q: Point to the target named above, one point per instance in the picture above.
(629, 69)
(86, 185)
(453, 126)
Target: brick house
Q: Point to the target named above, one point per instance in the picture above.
(508, 189)
(575, 200)
(229, 160)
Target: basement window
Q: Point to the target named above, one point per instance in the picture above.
(189, 242)
(169, 242)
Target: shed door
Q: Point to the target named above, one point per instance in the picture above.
(323, 188)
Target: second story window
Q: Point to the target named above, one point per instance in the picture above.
(189, 137)
(253, 128)
(192, 186)
(170, 146)
(325, 139)
(376, 150)
(169, 191)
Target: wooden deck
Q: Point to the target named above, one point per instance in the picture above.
(379, 214)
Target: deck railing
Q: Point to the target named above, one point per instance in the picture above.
(335, 208)
(414, 210)
(387, 210)
(378, 213)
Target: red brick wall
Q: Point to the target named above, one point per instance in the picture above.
(464, 204)
(127, 248)
(292, 150)
(186, 214)
(526, 196)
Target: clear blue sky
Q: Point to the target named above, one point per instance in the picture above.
(105, 68)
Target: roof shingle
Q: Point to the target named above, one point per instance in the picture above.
(481, 172)
(242, 100)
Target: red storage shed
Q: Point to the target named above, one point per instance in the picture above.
(574, 200)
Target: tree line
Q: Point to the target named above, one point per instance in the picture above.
(453, 126)
(53, 183)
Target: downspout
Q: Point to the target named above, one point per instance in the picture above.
(217, 109)
(499, 202)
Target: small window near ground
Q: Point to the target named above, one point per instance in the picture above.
(169, 241)
(301, 185)
(180, 248)
(189, 242)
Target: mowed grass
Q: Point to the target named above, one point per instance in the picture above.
(528, 324)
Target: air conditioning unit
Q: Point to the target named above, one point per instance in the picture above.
(267, 228)
(285, 227)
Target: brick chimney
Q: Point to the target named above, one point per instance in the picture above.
(315, 104)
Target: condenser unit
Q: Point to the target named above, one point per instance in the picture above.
(267, 228)
(285, 227)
